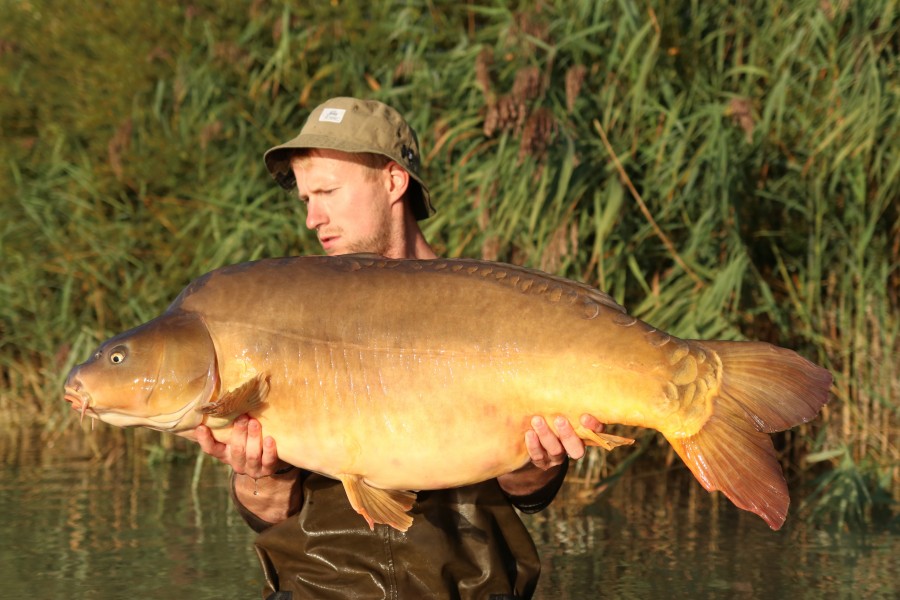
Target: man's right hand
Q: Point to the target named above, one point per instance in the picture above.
(247, 452)
(267, 495)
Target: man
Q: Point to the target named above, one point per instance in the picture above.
(355, 165)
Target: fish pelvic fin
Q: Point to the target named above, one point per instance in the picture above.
(249, 396)
(763, 389)
(390, 507)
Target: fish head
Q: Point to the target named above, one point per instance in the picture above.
(153, 376)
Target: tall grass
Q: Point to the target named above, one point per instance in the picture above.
(725, 170)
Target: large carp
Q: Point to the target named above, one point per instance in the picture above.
(402, 375)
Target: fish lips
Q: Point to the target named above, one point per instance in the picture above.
(80, 401)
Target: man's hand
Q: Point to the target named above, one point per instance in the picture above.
(254, 459)
(547, 450)
(247, 452)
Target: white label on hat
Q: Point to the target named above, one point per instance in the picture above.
(332, 115)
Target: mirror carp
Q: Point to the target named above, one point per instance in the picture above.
(396, 376)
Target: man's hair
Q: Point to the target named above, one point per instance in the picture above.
(372, 163)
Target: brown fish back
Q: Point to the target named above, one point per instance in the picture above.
(529, 281)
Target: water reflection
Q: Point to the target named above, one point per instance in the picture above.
(76, 528)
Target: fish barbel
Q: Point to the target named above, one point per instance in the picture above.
(402, 375)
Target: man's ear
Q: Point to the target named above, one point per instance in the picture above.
(397, 181)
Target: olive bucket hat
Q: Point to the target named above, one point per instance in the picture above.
(352, 125)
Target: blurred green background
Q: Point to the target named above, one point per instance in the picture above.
(725, 170)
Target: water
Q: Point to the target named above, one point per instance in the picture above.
(72, 528)
(660, 535)
(79, 530)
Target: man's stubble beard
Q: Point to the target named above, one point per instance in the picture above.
(377, 243)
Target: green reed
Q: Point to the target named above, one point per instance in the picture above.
(723, 171)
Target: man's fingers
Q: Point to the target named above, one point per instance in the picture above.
(269, 453)
(259, 453)
(548, 439)
(573, 445)
(535, 449)
(238, 444)
(592, 423)
(253, 445)
(548, 448)
(204, 438)
(209, 445)
(247, 452)
(544, 447)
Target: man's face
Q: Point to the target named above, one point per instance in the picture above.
(347, 205)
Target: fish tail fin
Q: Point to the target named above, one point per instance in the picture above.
(763, 389)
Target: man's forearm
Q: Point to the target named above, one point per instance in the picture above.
(531, 481)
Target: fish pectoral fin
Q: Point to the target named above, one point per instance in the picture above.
(247, 397)
(377, 505)
(607, 441)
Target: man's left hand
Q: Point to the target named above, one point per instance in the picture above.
(547, 449)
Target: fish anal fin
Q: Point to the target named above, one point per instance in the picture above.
(377, 505)
(243, 399)
(607, 441)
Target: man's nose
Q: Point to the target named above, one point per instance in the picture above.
(315, 216)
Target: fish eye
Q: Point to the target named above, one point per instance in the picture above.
(117, 355)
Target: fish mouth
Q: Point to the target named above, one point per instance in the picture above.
(80, 401)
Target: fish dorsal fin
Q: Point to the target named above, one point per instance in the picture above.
(249, 396)
(526, 280)
(377, 505)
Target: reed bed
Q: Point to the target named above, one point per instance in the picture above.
(727, 170)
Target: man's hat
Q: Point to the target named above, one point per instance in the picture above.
(352, 125)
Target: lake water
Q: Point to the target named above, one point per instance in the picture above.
(75, 528)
